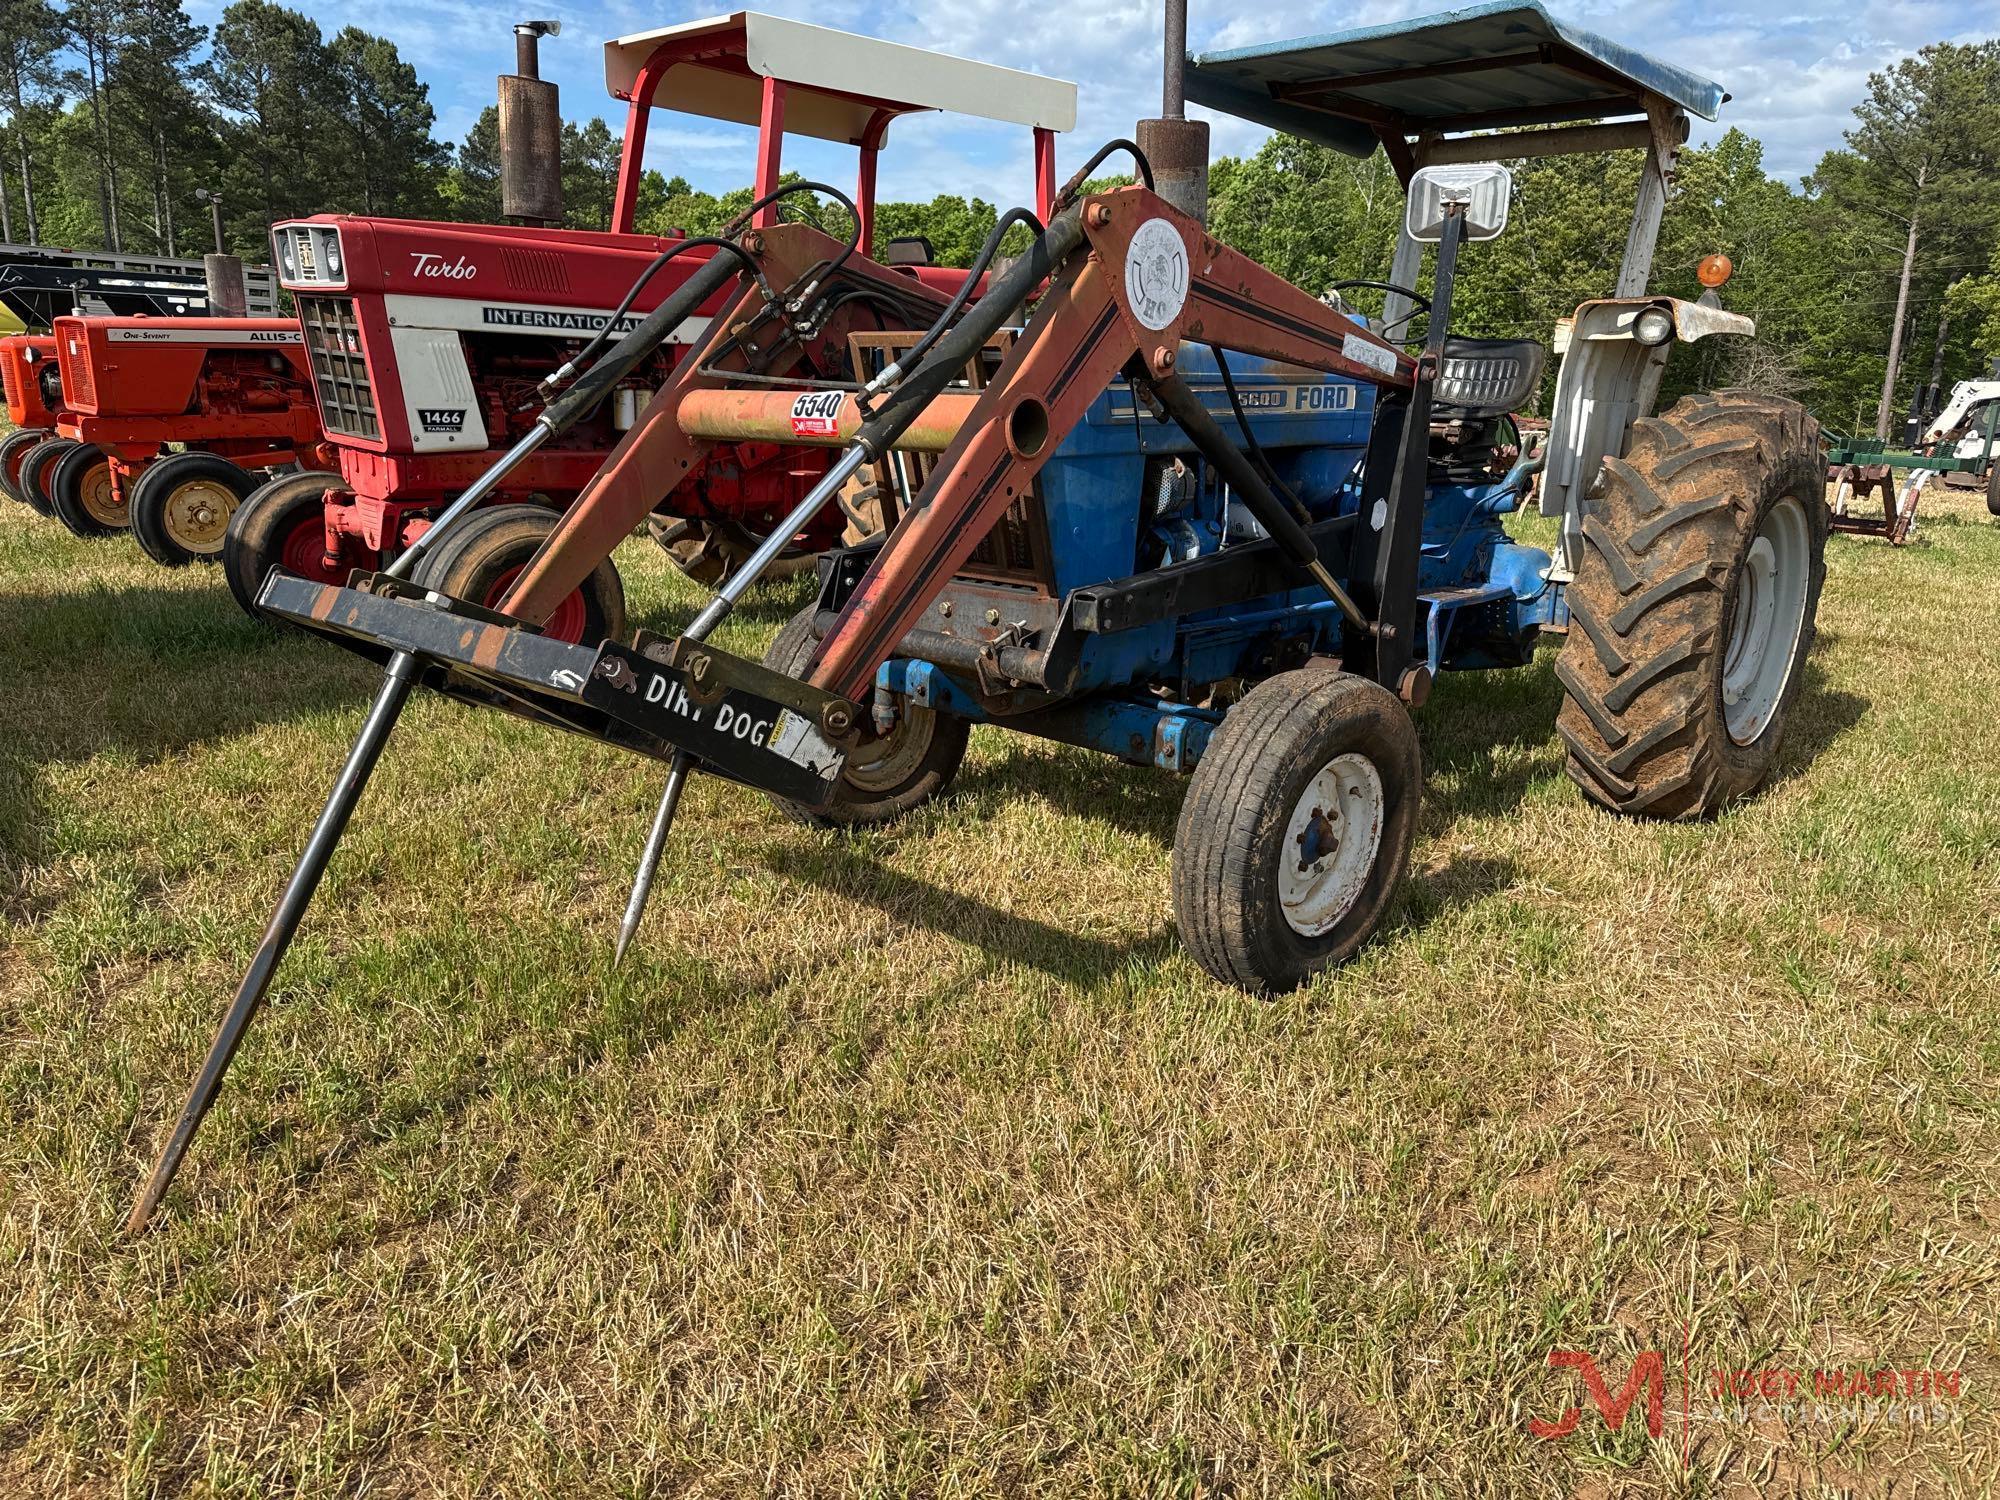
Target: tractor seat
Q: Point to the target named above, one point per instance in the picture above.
(910, 250)
(1486, 377)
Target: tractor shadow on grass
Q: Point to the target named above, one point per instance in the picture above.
(850, 871)
(1489, 740)
(141, 675)
(149, 672)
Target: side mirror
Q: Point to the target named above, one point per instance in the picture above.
(1484, 188)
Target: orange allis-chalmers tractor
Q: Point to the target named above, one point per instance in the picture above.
(33, 385)
(232, 394)
(433, 345)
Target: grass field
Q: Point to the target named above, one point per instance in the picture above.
(925, 1162)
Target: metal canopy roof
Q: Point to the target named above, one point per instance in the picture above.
(1486, 67)
(837, 81)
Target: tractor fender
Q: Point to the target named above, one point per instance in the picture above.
(1608, 381)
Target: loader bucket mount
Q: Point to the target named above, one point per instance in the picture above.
(655, 696)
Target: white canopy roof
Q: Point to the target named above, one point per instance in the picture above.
(837, 79)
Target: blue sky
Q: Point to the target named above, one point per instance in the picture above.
(1794, 75)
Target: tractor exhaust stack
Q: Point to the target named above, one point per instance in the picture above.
(530, 133)
(1175, 145)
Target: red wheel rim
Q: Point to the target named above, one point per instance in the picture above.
(565, 625)
(14, 461)
(304, 552)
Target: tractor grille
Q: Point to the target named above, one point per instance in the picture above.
(340, 369)
(9, 380)
(76, 377)
(1013, 550)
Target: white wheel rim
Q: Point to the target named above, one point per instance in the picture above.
(1330, 845)
(1765, 625)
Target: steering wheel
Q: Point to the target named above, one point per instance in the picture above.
(1419, 303)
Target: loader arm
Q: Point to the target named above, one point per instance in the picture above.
(1145, 278)
(750, 336)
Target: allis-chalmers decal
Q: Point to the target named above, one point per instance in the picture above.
(213, 336)
(816, 414)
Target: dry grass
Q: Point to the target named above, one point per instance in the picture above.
(925, 1162)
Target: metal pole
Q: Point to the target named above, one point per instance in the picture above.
(397, 679)
(1173, 73)
(215, 219)
(713, 615)
(649, 862)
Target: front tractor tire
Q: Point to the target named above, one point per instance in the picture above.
(84, 493)
(1692, 612)
(36, 471)
(182, 505)
(483, 553)
(1297, 829)
(280, 524)
(887, 777)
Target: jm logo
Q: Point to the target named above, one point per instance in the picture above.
(1648, 1370)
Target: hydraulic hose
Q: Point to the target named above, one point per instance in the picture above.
(1082, 174)
(721, 244)
(584, 355)
(986, 317)
(1250, 443)
(914, 355)
(742, 220)
(624, 356)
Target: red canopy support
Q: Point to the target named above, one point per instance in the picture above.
(632, 160)
(770, 149)
(1045, 172)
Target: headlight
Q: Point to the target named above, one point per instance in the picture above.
(333, 255)
(286, 258)
(1654, 326)
(31, 354)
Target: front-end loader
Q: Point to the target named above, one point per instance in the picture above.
(1160, 502)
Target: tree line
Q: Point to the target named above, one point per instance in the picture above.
(1875, 281)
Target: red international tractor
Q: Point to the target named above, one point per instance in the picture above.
(232, 395)
(34, 405)
(431, 343)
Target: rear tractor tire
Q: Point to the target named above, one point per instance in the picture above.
(280, 524)
(13, 449)
(182, 506)
(84, 493)
(1992, 486)
(482, 555)
(710, 552)
(887, 777)
(1692, 612)
(1297, 829)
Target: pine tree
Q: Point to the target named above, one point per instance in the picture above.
(31, 34)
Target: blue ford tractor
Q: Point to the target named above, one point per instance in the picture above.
(1148, 497)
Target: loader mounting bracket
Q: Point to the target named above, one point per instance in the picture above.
(659, 696)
